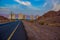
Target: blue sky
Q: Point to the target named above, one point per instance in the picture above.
(28, 7)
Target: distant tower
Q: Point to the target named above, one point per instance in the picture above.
(21, 16)
(12, 16)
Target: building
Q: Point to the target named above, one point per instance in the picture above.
(12, 16)
(21, 16)
(32, 17)
(37, 17)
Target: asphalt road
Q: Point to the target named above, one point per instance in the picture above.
(13, 31)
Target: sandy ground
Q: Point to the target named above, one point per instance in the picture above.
(41, 32)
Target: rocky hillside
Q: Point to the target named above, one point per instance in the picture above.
(3, 19)
(51, 14)
(50, 17)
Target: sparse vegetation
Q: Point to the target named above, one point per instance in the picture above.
(47, 24)
(41, 23)
(31, 21)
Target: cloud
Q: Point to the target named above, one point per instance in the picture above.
(56, 6)
(45, 4)
(4, 9)
(9, 6)
(26, 3)
(52, 3)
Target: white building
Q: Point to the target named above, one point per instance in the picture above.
(12, 16)
(21, 16)
(32, 17)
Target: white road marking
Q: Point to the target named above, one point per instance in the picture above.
(13, 32)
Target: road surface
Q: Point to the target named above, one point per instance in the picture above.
(13, 31)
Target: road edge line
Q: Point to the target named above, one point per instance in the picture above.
(13, 32)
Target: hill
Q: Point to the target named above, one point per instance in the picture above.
(3, 19)
(51, 17)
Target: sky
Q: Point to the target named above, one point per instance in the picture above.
(28, 7)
